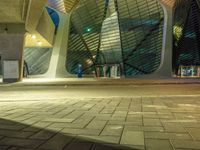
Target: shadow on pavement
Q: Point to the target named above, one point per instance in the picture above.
(18, 136)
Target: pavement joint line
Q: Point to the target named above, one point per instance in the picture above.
(110, 85)
(170, 141)
(124, 125)
(98, 97)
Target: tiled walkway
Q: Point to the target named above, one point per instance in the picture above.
(151, 123)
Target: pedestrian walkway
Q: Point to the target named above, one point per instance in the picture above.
(110, 123)
(101, 81)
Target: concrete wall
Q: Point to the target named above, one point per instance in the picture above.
(46, 27)
(12, 43)
(35, 11)
(13, 28)
(11, 48)
(13, 11)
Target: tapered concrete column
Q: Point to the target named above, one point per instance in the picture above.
(165, 68)
(57, 68)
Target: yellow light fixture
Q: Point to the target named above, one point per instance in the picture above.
(39, 43)
(89, 61)
(33, 36)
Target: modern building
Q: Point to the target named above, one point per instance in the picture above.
(102, 38)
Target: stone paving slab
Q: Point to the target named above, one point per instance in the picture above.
(152, 144)
(57, 142)
(132, 138)
(29, 143)
(102, 139)
(167, 135)
(186, 144)
(154, 123)
(194, 132)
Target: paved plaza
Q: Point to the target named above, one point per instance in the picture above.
(73, 118)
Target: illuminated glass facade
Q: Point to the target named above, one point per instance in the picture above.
(141, 26)
(125, 36)
(186, 30)
(37, 60)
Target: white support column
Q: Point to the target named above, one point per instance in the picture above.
(58, 59)
(165, 68)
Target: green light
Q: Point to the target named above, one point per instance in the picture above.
(89, 29)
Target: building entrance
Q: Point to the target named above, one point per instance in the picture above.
(108, 70)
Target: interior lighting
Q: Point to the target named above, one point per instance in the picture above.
(33, 36)
(89, 62)
(89, 29)
(39, 43)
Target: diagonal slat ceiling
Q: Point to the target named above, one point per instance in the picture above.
(70, 4)
(57, 4)
(63, 5)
